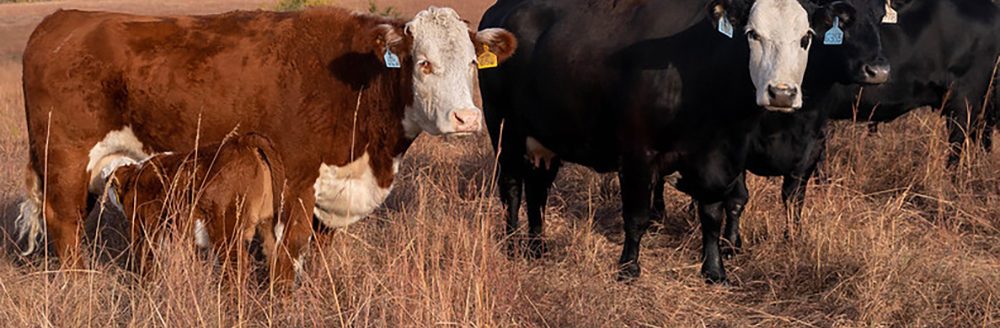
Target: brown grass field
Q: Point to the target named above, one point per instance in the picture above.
(893, 239)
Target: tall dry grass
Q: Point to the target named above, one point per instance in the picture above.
(893, 239)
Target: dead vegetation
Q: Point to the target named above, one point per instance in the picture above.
(893, 239)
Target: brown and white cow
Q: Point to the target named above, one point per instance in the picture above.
(221, 194)
(316, 82)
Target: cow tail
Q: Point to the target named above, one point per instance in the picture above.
(30, 224)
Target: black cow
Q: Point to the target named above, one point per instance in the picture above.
(791, 145)
(946, 52)
(645, 88)
(935, 48)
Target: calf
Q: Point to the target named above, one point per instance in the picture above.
(224, 194)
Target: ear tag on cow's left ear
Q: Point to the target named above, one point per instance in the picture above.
(487, 59)
(891, 17)
(725, 27)
(834, 36)
(391, 60)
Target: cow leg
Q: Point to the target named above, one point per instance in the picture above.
(659, 204)
(959, 127)
(711, 225)
(793, 194)
(510, 189)
(296, 231)
(636, 182)
(873, 128)
(986, 138)
(819, 166)
(141, 252)
(735, 203)
(65, 204)
(536, 193)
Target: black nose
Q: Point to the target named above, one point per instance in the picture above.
(876, 73)
(782, 95)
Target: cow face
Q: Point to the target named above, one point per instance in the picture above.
(443, 53)
(779, 36)
(859, 59)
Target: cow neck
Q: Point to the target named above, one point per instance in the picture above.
(368, 120)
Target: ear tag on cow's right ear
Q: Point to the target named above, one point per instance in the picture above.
(834, 36)
(487, 59)
(725, 27)
(391, 60)
(891, 17)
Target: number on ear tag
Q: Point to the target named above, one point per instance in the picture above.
(891, 17)
(725, 27)
(487, 59)
(834, 36)
(391, 60)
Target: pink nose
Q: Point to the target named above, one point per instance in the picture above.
(467, 120)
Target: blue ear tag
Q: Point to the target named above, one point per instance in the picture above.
(391, 60)
(725, 27)
(834, 36)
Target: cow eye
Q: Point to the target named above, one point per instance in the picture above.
(753, 35)
(806, 40)
(426, 67)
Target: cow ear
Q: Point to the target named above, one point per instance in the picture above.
(823, 17)
(499, 41)
(118, 183)
(736, 11)
(388, 38)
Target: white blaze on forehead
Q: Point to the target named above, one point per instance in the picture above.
(345, 194)
(441, 39)
(778, 57)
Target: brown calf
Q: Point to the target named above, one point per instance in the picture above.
(224, 193)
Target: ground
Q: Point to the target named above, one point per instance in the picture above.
(893, 239)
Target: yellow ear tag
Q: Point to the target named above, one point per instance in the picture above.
(891, 17)
(487, 59)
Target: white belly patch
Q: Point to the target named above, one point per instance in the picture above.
(345, 194)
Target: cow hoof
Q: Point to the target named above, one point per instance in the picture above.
(629, 272)
(532, 248)
(714, 277)
(730, 251)
(536, 248)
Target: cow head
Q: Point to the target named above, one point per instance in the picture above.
(779, 36)
(440, 51)
(120, 184)
(859, 58)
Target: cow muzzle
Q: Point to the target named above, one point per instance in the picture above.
(782, 97)
(875, 73)
(467, 121)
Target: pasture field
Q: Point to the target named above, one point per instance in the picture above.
(893, 238)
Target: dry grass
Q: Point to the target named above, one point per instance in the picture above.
(894, 239)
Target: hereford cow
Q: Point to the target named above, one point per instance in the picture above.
(342, 95)
(233, 190)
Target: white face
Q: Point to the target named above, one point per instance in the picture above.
(780, 37)
(443, 75)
